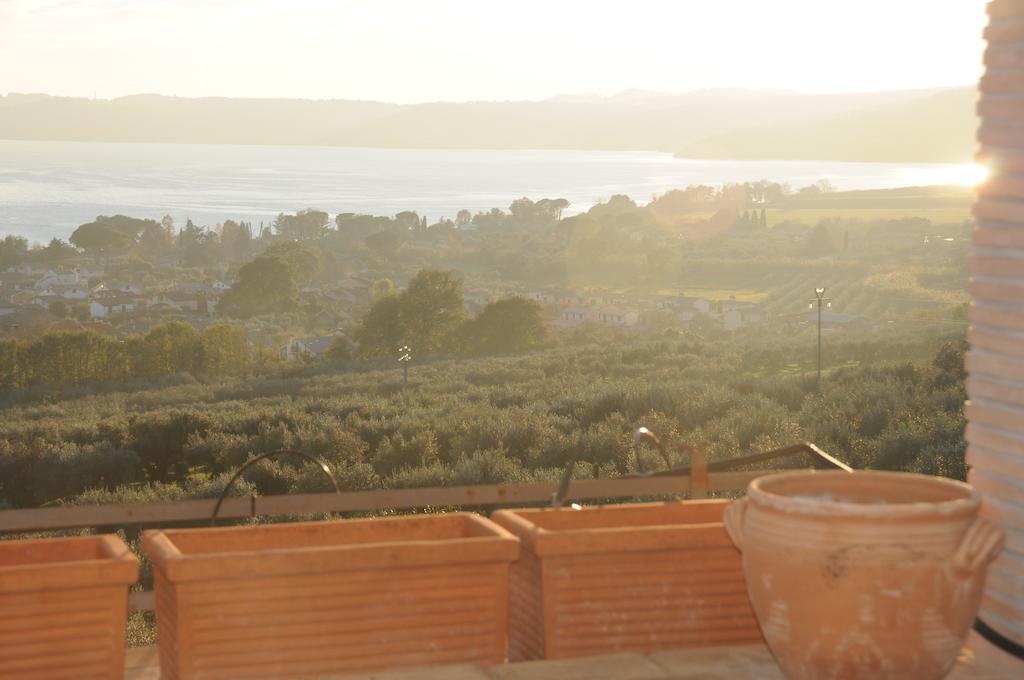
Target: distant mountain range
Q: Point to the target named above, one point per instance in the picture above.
(910, 125)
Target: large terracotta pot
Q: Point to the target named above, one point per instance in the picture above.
(63, 606)
(319, 598)
(865, 574)
(624, 578)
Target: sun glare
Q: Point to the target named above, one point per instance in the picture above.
(975, 174)
(964, 175)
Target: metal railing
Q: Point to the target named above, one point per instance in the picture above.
(716, 477)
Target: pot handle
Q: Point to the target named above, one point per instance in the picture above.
(980, 544)
(733, 519)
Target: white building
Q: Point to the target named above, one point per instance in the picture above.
(311, 347)
(51, 278)
(739, 314)
(615, 316)
(105, 306)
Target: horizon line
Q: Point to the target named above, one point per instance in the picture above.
(552, 98)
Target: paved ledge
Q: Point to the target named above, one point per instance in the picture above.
(748, 662)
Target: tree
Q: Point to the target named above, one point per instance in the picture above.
(170, 347)
(304, 262)
(552, 207)
(408, 220)
(432, 310)
(236, 237)
(305, 225)
(72, 358)
(11, 364)
(338, 352)
(463, 218)
(509, 326)
(189, 236)
(59, 309)
(382, 288)
(384, 243)
(425, 316)
(13, 250)
(523, 210)
(492, 219)
(81, 313)
(616, 205)
(381, 332)
(156, 240)
(819, 241)
(101, 239)
(56, 254)
(223, 350)
(267, 284)
(950, 358)
(131, 227)
(202, 251)
(108, 236)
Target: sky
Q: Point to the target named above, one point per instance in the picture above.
(406, 51)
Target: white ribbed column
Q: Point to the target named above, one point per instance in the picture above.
(995, 386)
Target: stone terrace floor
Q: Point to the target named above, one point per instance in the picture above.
(751, 662)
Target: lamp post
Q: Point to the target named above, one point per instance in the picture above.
(404, 357)
(819, 295)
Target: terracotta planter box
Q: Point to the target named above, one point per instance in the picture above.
(63, 605)
(295, 600)
(625, 578)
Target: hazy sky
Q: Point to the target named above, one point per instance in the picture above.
(424, 50)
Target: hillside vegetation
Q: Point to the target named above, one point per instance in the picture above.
(885, 402)
(726, 123)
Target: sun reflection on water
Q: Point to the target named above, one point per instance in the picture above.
(965, 175)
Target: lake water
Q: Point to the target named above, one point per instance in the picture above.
(49, 188)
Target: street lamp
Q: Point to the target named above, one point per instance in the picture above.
(819, 297)
(404, 357)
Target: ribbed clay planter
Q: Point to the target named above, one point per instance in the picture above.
(624, 578)
(63, 605)
(864, 574)
(317, 598)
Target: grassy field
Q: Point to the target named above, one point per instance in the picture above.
(937, 215)
(740, 294)
(940, 204)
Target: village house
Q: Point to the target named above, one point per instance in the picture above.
(44, 300)
(23, 297)
(541, 297)
(50, 278)
(177, 300)
(119, 286)
(477, 299)
(557, 297)
(212, 290)
(738, 315)
(72, 291)
(306, 348)
(15, 281)
(24, 318)
(735, 314)
(358, 286)
(574, 316)
(112, 303)
(684, 307)
(615, 316)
